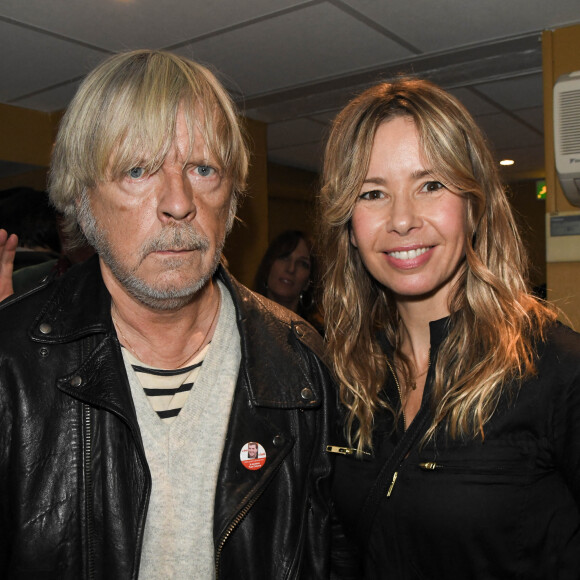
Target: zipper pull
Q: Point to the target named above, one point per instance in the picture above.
(395, 475)
(430, 465)
(340, 450)
(345, 450)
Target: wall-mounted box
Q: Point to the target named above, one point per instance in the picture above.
(563, 237)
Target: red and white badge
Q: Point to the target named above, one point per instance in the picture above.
(253, 456)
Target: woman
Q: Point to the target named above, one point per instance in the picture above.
(287, 274)
(461, 392)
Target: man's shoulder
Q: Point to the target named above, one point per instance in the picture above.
(261, 314)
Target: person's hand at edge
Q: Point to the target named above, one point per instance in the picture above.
(8, 244)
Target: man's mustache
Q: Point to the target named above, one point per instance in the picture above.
(183, 237)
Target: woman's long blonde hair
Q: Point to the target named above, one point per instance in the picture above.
(494, 319)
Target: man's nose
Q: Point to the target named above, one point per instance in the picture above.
(176, 199)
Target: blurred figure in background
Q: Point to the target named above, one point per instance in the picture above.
(287, 275)
(8, 245)
(27, 213)
(33, 247)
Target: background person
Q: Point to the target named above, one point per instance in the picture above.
(28, 214)
(114, 375)
(461, 392)
(288, 275)
(8, 245)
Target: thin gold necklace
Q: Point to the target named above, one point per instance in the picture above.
(413, 380)
(189, 356)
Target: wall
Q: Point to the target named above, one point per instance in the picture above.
(561, 55)
(292, 199)
(530, 214)
(248, 240)
(26, 138)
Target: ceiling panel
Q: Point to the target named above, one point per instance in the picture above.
(327, 116)
(125, 24)
(32, 61)
(474, 102)
(314, 43)
(517, 93)
(50, 100)
(534, 116)
(296, 132)
(433, 26)
(308, 156)
(506, 132)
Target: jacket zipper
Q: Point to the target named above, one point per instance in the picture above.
(241, 515)
(434, 466)
(396, 473)
(399, 391)
(89, 491)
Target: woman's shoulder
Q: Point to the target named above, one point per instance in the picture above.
(562, 341)
(558, 358)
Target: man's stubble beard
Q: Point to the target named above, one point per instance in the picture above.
(182, 236)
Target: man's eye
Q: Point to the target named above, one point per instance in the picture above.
(205, 170)
(374, 194)
(136, 172)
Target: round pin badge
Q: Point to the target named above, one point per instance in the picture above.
(253, 456)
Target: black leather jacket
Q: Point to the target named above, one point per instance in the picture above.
(74, 482)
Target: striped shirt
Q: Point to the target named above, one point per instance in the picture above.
(166, 390)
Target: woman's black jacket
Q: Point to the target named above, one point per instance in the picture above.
(507, 506)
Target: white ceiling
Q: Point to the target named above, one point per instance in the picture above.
(295, 63)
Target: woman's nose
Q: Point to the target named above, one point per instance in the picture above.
(404, 216)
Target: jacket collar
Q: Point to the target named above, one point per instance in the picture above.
(274, 343)
(438, 330)
(275, 368)
(79, 306)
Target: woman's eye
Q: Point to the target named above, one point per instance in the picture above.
(205, 170)
(374, 194)
(136, 172)
(431, 186)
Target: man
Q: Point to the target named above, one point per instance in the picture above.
(252, 450)
(113, 376)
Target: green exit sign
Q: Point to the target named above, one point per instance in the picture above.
(541, 189)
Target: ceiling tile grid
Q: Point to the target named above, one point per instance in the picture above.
(294, 49)
(294, 63)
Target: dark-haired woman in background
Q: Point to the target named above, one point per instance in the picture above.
(461, 391)
(287, 275)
